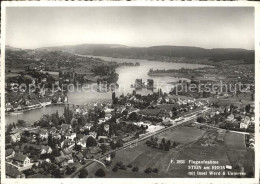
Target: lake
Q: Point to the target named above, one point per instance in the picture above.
(127, 76)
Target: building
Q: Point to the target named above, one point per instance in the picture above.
(231, 118)
(45, 102)
(21, 160)
(245, 122)
(46, 150)
(9, 153)
(15, 137)
(13, 172)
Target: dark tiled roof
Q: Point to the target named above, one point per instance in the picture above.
(11, 171)
(38, 175)
(9, 152)
(19, 157)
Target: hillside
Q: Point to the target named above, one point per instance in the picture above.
(156, 52)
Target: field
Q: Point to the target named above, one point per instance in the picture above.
(143, 156)
(235, 141)
(231, 152)
(239, 100)
(182, 135)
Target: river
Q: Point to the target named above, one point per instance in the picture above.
(127, 76)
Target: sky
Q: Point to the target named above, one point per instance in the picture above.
(207, 27)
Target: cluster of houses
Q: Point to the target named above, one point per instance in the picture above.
(72, 146)
(35, 102)
(237, 119)
(32, 153)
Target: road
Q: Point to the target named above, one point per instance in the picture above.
(126, 145)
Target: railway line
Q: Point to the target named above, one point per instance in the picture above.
(189, 117)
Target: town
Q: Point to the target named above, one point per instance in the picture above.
(100, 138)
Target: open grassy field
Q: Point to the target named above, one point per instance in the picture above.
(198, 154)
(235, 141)
(241, 99)
(143, 156)
(230, 152)
(182, 135)
(191, 148)
(244, 160)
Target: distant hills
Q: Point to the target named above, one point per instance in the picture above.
(157, 52)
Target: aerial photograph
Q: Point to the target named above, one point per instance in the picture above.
(129, 92)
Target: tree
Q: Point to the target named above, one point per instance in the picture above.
(155, 170)
(135, 169)
(113, 154)
(114, 97)
(83, 173)
(115, 169)
(9, 128)
(68, 114)
(100, 173)
(134, 92)
(70, 170)
(20, 122)
(119, 143)
(129, 165)
(103, 149)
(148, 170)
(201, 120)
(247, 108)
(163, 141)
(112, 145)
(133, 116)
(167, 147)
(91, 142)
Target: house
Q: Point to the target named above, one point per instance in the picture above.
(66, 143)
(53, 130)
(245, 122)
(101, 120)
(15, 137)
(108, 158)
(88, 126)
(69, 158)
(8, 107)
(108, 110)
(70, 136)
(66, 151)
(106, 127)
(13, 172)
(56, 136)
(21, 160)
(33, 104)
(102, 137)
(79, 136)
(9, 153)
(231, 118)
(82, 143)
(43, 134)
(45, 102)
(60, 160)
(93, 134)
(108, 116)
(17, 108)
(39, 175)
(79, 156)
(66, 127)
(46, 150)
(44, 80)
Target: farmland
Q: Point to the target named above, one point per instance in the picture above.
(192, 141)
(143, 156)
(234, 141)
